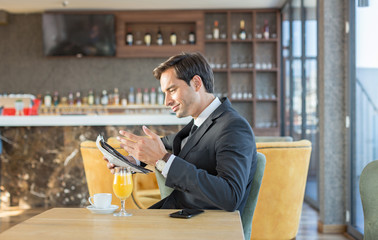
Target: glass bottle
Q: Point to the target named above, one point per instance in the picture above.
(131, 96)
(116, 96)
(56, 98)
(97, 99)
(104, 98)
(159, 38)
(47, 99)
(160, 97)
(90, 98)
(147, 38)
(216, 30)
(173, 38)
(124, 100)
(192, 37)
(139, 96)
(266, 29)
(70, 98)
(78, 98)
(153, 96)
(242, 33)
(129, 37)
(146, 96)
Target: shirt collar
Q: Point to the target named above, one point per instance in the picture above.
(206, 113)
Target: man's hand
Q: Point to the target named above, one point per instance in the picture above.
(111, 166)
(146, 149)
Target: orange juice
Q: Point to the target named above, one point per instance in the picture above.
(123, 186)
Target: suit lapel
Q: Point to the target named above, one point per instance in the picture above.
(197, 135)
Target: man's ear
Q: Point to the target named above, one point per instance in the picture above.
(197, 82)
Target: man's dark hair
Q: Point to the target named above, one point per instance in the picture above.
(186, 66)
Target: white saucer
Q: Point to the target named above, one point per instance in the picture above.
(111, 209)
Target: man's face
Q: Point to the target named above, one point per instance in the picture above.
(178, 95)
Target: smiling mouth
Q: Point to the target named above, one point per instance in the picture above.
(174, 109)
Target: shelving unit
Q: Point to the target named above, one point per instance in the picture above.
(181, 22)
(247, 71)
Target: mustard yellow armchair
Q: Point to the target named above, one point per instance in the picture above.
(100, 180)
(280, 201)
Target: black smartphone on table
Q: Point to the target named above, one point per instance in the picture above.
(186, 213)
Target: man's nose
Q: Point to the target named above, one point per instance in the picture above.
(167, 100)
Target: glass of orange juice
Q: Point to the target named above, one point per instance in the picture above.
(122, 187)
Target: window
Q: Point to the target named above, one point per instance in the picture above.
(363, 100)
(300, 92)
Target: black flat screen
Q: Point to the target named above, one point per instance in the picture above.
(78, 34)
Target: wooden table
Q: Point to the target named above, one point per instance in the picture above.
(80, 223)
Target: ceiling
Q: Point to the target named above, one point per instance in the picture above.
(32, 6)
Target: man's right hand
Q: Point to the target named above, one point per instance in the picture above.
(111, 166)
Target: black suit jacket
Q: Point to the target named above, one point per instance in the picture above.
(214, 169)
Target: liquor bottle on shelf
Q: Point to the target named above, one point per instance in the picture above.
(131, 96)
(160, 97)
(56, 98)
(146, 97)
(124, 100)
(47, 99)
(153, 96)
(70, 99)
(116, 96)
(104, 98)
(242, 33)
(129, 37)
(159, 37)
(78, 100)
(139, 96)
(266, 29)
(192, 37)
(216, 30)
(97, 99)
(147, 38)
(90, 98)
(173, 38)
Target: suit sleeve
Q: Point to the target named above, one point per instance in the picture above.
(234, 150)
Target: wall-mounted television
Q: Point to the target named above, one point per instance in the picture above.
(68, 34)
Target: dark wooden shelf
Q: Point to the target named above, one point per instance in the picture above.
(221, 70)
(262, 40)
(267, 70)
(241, 41)
(236, 70)
(266, 100)
(151, 21)
(241, 100)
(216, 41)
(155, 50)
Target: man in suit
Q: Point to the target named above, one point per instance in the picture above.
(213, 158)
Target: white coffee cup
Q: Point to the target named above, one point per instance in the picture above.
(101, 200)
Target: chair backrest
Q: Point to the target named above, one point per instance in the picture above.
(273, 139)
(247, 214)
(369, 199)
(279, 208)
(99, 178)
(164, 190)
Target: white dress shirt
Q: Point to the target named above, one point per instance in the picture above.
(198, 122)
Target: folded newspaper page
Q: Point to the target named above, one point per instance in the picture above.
(117, 158)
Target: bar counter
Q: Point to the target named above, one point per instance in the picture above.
(93, 120)
(41, 163)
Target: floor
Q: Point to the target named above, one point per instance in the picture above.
(307, 228)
